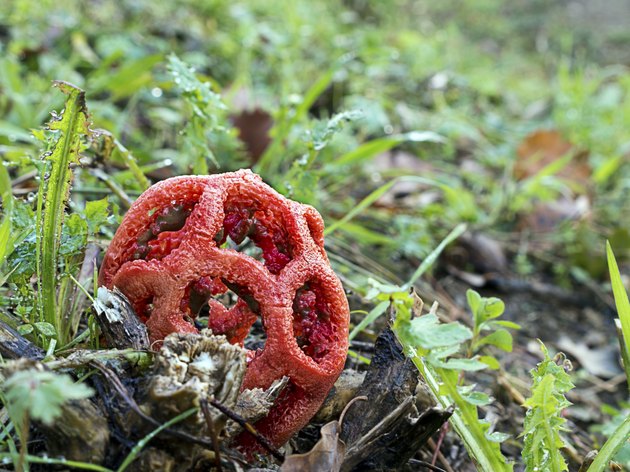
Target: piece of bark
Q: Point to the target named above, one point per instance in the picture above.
(81, 433)
(119, 324)
(14, 346)
(401, 415)
(344, 390)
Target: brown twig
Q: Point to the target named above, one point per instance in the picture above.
(443, 431)
(263, 441)
(426, 464)
(440, 456)
(362, 398)
(511, 391)
(213, 433)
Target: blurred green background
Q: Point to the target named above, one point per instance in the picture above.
(515, 112)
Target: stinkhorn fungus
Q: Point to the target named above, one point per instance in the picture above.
(170, 258)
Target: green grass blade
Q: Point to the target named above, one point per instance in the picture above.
(377, 311)
(72, 127)
(363, 204)
(144, 441)
(7, 206)
(623, 306)
(619, 437)
(430, 259)
(52, 461)
(376, 146)
(379, 192)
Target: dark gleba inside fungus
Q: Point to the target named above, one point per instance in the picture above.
(177, 255)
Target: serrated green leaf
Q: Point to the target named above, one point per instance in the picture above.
(544, 420)
(73, 235)
(41, 394)
(96, 214)
(72, 128)
(206, 106)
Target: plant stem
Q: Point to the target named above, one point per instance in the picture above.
(22, 464)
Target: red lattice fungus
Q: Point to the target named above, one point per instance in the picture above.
(170, 258)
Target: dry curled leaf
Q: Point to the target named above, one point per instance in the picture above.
(543, 147)
(326, 455)
(329, 452)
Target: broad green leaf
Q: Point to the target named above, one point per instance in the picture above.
(474, 300)
(427, 332)
(25, 329)
(497, 437)
(501, 338)
(504, 323)
(45, 328)
(491, 362)
(476, 398)
(466, 365)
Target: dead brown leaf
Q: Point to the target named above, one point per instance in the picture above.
(252, 122)
(543, 147)
(326, 455)
(329, 452)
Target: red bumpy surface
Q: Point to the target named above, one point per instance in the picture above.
(169, 258)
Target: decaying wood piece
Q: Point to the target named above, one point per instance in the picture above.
(80, 433)
(401, 415)
(14, 346)
(188, 368)
(118, 322)
(254, 404)
(345, 389)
